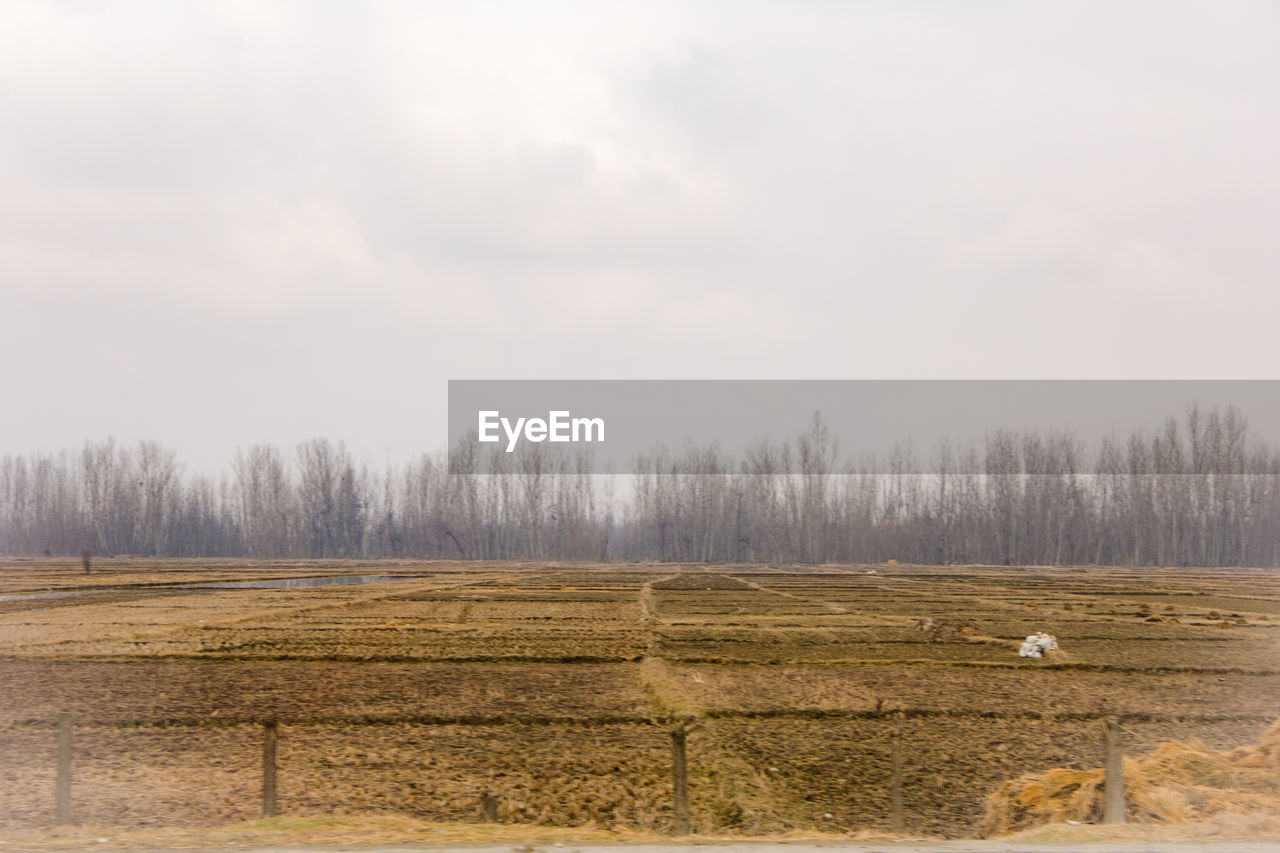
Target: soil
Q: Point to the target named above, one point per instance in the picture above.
(553, 688)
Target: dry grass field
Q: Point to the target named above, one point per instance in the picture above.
(553, 688)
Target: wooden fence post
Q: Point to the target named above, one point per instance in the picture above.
(270, 730)
(488, 807)
(1113, 763)
(897, 822)
(62, 789)
(680, 776)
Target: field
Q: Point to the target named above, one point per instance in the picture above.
(553, 688)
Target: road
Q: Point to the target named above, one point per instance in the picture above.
(791, 847)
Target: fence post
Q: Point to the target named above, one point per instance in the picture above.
(62, 789)
(680, 774)
(897, 822)
(270, 729)
(1113, 763)
(488, 807)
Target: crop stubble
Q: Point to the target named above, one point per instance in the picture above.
(418, 694)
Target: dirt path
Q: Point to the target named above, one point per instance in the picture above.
(649, 615)
(655, 679)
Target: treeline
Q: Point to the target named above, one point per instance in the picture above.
(1197, 492)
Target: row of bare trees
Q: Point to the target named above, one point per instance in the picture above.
(1199, 494)
(1195, 492)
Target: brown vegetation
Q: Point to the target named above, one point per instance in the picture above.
(1176, 782)
(551, 688)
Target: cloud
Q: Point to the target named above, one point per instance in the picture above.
(887, 189)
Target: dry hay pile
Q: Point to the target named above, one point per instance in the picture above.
(1176, 782)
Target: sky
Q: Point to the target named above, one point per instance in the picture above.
(230, 222)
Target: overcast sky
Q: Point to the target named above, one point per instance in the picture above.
(230, 222)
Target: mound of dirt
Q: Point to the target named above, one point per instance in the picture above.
(1174, 783)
